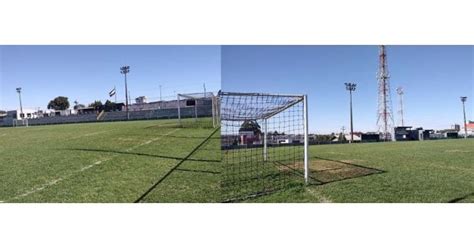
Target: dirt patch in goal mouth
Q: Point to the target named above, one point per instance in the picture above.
(326, 171)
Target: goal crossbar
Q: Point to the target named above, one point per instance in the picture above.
(267, 110)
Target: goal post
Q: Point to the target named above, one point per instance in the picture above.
(264, 143)
(198, 109)
(20, 122)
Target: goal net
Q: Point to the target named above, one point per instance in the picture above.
(20, 122)
(198, 110)
(264, 143)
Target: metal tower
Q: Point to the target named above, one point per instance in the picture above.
(384, 112)
(400, 111)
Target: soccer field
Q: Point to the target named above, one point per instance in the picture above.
(157, 161)
(137, 161)
(418, 171)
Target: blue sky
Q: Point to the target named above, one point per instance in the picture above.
(433, 77)
(87, 73)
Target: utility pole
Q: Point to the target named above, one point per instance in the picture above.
(124, 70)
(18, 90)
(204, 86)
(351, 87)
(463, 100)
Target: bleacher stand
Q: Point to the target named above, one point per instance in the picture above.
(171, 113)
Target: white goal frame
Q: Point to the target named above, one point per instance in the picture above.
(20, 122)
(200, 96)
(303, 99)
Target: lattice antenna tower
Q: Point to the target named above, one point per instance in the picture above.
(384, 112)
(400, 93)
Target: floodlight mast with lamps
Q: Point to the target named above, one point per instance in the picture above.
(18, 90)
(463, 100)
(124, 70)
(351, 87)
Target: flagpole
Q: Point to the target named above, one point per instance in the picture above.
(115, 94)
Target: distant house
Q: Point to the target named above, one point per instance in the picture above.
(86, 110)
(25, 114)
(470, 128)
(65, 112)
(249, 138)
(141, 100)
(404, 133)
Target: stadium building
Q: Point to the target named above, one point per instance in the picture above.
(196, 106)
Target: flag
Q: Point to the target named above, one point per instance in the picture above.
(112, 92)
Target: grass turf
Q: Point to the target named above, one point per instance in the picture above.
(108, 162)
(120, 161)
(426, 171)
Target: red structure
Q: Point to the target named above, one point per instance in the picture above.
(384, 112)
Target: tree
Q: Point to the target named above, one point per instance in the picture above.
(109, 106)
(96, 105)
(342, 137)
(251, 125)
(59, 103)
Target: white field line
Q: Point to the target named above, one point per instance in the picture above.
(87, 135)
(55, 181)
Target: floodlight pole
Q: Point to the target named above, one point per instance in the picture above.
(213, 113)
(351, 87)
(124, 70)
(265, 130)
(18, 90)
(306, 157)
(195, 110)
(463, 100)
(179, 110)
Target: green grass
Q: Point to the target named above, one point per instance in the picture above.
(426, 171)
(120, 161)
(108, 162)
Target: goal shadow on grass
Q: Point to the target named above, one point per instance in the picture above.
(460, 199)
(324, 170)
(321, 171)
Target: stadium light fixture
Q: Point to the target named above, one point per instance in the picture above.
(124, 70)
(351, 87)
(18, 90)
(463, 100)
